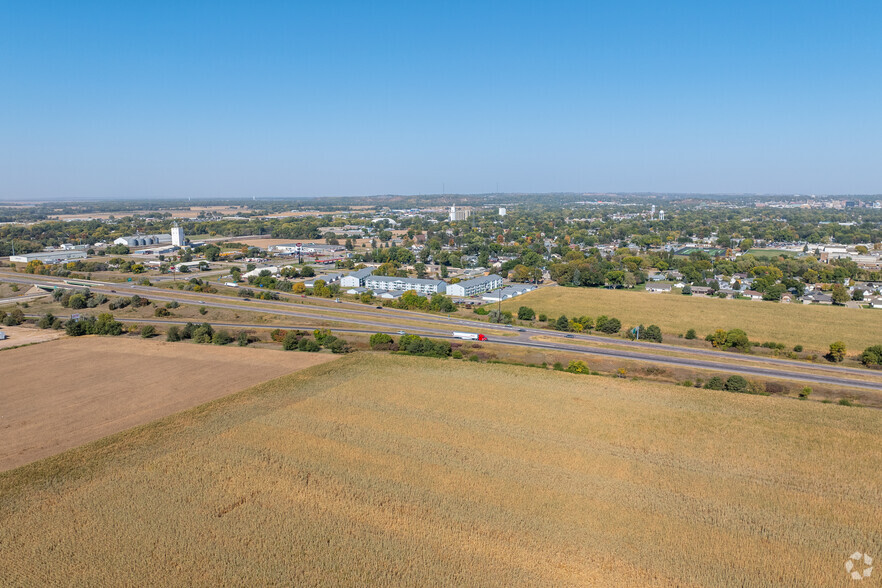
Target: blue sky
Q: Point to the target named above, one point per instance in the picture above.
(222, 99)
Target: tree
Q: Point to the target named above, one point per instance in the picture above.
(857, 295)
(221, 338)
(736, 384)
(652, 333)
(242, 339)
(872, 355)
(173, 334)
(444, 273)
(687, 290)
(840, 294)
(291, 340)
(562, 323)
(46, 321)
(147, 331)
(525, 313)
(837, 351)
(611, 326)
(690, 334)
(420, 269)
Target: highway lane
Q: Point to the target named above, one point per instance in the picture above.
(385, 321)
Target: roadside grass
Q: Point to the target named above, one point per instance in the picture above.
(812, 326)
(383, 469)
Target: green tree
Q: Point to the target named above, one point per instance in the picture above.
(687, 290)
(147, 331)
(837, 351)
(840, 294)
(715, 383)
(872, 355)
(736, 384)
(525, 313)
(562, 323)
(611, 326)
(173, 334)
(46, 321)
(221, 338)
(382, 341)
(690, 334)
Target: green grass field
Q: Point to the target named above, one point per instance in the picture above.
(814, 327)
(390, 470)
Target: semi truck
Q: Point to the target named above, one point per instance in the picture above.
(470, 336)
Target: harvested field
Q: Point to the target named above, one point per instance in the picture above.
(16, 336)
(812, 326)
(392, 470)
(65, 393)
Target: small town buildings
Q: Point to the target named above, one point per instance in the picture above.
(508, 292)
(659, 287)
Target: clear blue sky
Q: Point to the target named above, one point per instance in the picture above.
(171, 99)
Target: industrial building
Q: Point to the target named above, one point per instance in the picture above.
(459, 215)
(377, 283)
(48, 257)
(177, 236)
(475, 286)
(142, 240)
(306, 248)
(356, 279)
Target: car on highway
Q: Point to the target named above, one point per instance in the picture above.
(246, 299)
(522, 330)
(380, 307)
(569, 337)
(402, 332)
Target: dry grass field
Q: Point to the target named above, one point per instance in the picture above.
(814, 327)
(64, 393)
(16, 336)
(389, 470)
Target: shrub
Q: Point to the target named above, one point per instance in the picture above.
(736, 384)
(203, 311)
(837, 352)
(612, 326)
(221, 338)
(845, 402)
(309, 345)
(382, 341)
(872, 355)
(339, 346)
(242, 339)
(578, 367)
(558, 366)
(543, 317)
(525, 313)
(147, 331)
(204, 333)
(160, 312)
(652, 333)
(715, 383)
(797, 348)
(173, 334)
(805, 392)
(474, 357)
(481, 311)
(290, 340)
(46, 321)
(456, 354)
(172, 304)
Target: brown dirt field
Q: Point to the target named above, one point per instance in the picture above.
(26, 336)
(98, 386)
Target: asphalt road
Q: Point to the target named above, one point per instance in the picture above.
(392, 320)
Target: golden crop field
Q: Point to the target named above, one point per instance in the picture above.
(390, 470)
(814, 327)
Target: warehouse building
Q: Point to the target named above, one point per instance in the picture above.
(509, 292)
(48, 257)
(356, 279)
(377, 283)
(475, 286)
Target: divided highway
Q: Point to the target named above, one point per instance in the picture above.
(393, 320)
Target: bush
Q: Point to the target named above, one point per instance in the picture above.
(652, 333)
(845, 402)
(242, 339)
(46, 321)
(715, 383)
(173, 334)
(797, 348)
(558, 366)
(525, 313)
(221, 338)
(382, 341)
(105, 324)
(147, 331)
(612, 326)
(172, 304)
(578, 367)
(161, 312)
(456, 354)
(543, 317)
(481, 311)
(837, 352)
(203, 311)
(204, 333)
(736, 384)
(309, 345)
(805, 392)
(15, 317)
(339, 346)
(290, 340)
(872, 355)
(690, 334)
